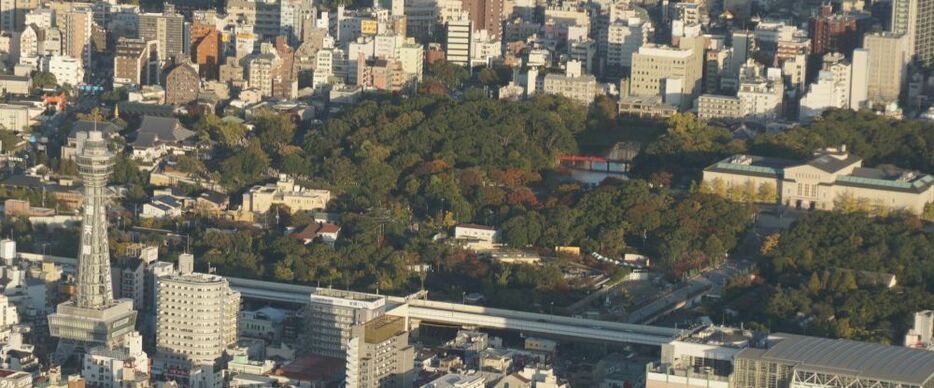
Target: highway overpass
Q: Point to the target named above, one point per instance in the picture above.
(454, 313)
(478, 316)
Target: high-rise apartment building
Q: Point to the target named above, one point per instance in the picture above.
(716, 66)
(206, 49)
(78, 25)
(293, 16)
(832, 32)
(915, 19)
(485, 15)
(673, 73)
(457, 43)
(264, 15)
(791, 56)
(196, 319)
(379, 354)
(135, 62)
(744, 45)
(412, 57)
(330, 317)
(169, 29)
(623, 39)
(888, 59)
(859, 78)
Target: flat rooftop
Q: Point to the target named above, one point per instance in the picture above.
(721, 336)
(383, 328)
(753, 165)
(868, 361)
(344, 294)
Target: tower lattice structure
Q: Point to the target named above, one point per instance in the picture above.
(95, 164)
(93, 317)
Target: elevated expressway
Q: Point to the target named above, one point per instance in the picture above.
(416, 308)
(478, 316)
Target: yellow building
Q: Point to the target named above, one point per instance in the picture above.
(369, 27)
(832, 179)
(284, 193)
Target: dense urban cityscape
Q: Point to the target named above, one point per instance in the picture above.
(467, 193)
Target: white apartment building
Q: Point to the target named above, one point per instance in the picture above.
(774, 31)
(196, 319)
(759, 97)
(484, 48)
(716, 106)
(67, 70)
(386, 45)
(362, 47)
(832, 89)
(30, 44)
(823, 94)
(458, 41)
(41, 17)
(761, 91)
(127, 365)
(8, 315)
(324, 67)
(292, 14)
(859, 78)
(623, 39)
(411, 56)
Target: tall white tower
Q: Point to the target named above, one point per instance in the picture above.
(92, 317)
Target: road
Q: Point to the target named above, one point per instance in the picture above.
(713, 282)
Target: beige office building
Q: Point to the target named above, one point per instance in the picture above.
(670, 72)
(888, 58)
(169, 29)
(715, 106)
(582, 88)
(286, 193)
(832, 178)
(379, 355)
